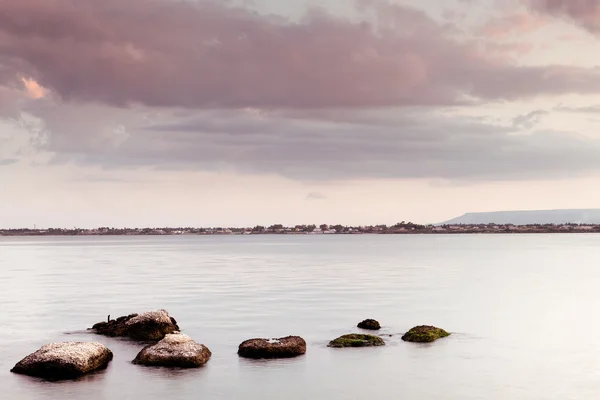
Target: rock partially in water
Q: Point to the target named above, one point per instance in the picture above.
(369, 324)
(290, 346)
(356, 340)
(113, 327)
(424, 334)
(67, 360)
(153, 325)
(175, 350)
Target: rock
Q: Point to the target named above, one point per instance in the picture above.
(424, 334)
(356, 340)
(175, 350)
(67, 360)
(369, 324)
(290, 346)
(152, 325)
(113, 327)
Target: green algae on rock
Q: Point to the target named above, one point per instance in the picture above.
(356, 340)
(424, 334)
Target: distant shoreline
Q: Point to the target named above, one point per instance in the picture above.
(397, 229)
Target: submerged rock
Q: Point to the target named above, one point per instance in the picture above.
(424, 334)
(65, 360)
(290, 346)
(153, 325)
(175, 350)
(356, 340)
(369, 324)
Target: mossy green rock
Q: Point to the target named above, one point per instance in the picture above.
(356, 340)
(424, 334)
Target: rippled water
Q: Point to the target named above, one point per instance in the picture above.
(523, 310)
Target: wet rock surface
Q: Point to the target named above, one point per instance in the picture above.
(369, 324)
(153, 325)
(66, 360)
(356, 340)
(286, 347)
(424, 334)
(175, 350)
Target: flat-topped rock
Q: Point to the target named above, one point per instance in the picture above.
(356, 340)
(369, 324)
(175, 350)
(153, 325)
(424, 334)
(286, 347)
(67, 360)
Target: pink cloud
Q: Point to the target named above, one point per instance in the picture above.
(209, 54)
(584, 12)
(34, 90)
(515, 24)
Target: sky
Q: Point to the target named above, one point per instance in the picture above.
(242, 112)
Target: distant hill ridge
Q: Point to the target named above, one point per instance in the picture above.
(584, 216)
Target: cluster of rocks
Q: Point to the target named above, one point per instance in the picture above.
(171, 348)
(69, 360)
(418, 334)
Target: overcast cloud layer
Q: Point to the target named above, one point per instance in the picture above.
(210, 54)
(379, 144)
(379, 90)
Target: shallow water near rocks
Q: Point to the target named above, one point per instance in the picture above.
(522, 309)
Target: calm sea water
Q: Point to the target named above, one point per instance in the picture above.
(523, 310)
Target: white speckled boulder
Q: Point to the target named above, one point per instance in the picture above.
(175, 350)
(153, 325)
(65, 360)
